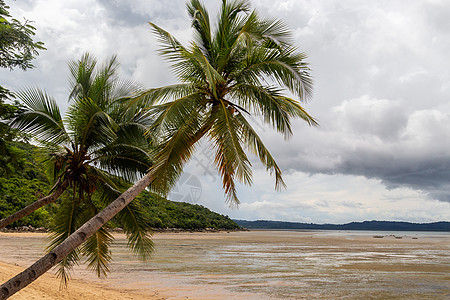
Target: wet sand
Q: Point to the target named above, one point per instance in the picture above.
(46, 287)
(254, 265)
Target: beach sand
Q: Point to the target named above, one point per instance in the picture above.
(47, 287)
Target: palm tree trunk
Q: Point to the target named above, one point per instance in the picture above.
(35, 205)
(44, 264)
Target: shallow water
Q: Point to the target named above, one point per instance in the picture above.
(279, 264)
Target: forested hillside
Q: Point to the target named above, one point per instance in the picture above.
(23, 180)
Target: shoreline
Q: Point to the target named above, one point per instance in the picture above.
(47, 287)
(31, 229)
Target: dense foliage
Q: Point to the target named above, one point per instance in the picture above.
(162, 213)
(27, 182)
(17, 50)
(8, 153)
(17, 47)
(22, 182)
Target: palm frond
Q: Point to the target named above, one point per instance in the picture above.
(97, 251)
(230, 158)
(168, 117)
(125, 160)
(274, 32)
(257, 147)
(65, 223)
(285, 67)
(40, 117)
(150, 97)
(137, 230)
(171, 48)
(175, 148)
(107, 184)
(266, 101)
(213, 78)
(82, 73)
(90, 124)
(104, 83)
(200, 22)
(232, 17)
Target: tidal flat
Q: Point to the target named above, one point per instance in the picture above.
(269, 265)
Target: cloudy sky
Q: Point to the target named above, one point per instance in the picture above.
(382, 89)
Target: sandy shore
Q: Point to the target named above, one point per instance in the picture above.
(47, 287)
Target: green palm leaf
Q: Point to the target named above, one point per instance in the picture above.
(257, 147)
(41, 117)
(65, 223)
(244, 65)
(90, 124)
(230, 158)
(137, 230)
(97, 251)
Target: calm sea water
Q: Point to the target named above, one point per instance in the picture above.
(279, 265)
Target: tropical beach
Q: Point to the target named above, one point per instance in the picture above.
(254, 265)
(179, 119)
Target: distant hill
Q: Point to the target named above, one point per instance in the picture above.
(161, 213)
(366, 225)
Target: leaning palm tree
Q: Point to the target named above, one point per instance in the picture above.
(242, 66)
(99, 139)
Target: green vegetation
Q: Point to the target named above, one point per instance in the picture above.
(239, 65)
(23, 183)
(162, 213)
(27, 183)
(17, 48)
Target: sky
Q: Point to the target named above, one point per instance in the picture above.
(381, 74)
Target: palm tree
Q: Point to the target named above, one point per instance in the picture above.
(243, 66)
(99, 139)
(43, 119)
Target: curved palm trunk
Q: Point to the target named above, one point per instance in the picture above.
(34, 206)
(44, 264)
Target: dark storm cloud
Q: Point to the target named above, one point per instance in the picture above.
(379, 139)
